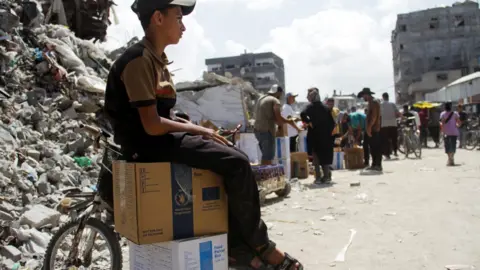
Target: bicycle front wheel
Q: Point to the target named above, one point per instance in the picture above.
(417, 146)
(97, 260)
(400, 142)
(471, 140)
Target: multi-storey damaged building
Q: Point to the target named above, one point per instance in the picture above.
(261, 69)
(434, 47)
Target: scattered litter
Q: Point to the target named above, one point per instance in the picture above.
(355, 183)
(425, 169)
(361, 197)
(341, 255)
(327, 218)
(459, 267)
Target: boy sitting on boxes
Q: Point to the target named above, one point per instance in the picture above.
(139, 99)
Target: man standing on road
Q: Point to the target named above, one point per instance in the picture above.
(434, 125)
(267, 117)
(373, 128)
(423, 115)
(389, 130)
(289, 113)
(139, 99)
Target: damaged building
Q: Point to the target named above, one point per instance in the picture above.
(434, 47)
(262, 70)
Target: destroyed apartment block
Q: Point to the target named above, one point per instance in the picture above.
(225, 101)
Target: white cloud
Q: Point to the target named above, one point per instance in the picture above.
(188, 56)
(234, 48)
(333, 49)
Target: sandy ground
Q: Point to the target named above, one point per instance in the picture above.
(419, 214)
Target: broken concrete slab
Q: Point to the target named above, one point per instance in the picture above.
(39, 216)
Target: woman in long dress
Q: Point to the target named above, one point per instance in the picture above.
(319, 137)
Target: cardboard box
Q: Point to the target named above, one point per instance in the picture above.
(203, 253)
(354, 158)
(282, 131)
(338, 158)
(282, 149)
(158, 202)
(302, 141)
(299, 164)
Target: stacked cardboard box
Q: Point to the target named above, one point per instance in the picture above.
(163, 202)
(299, 164)
(354, 158)
(282, 154)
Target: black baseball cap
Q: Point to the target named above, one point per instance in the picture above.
(145, 7)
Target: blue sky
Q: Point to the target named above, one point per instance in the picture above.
(332, 44)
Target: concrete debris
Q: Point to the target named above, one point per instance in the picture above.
(51, 81)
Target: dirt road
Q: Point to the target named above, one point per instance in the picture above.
(419, 214)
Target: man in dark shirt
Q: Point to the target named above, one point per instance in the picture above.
(409, 117)
(139, 99)
(463, 125)
(423, 114)
(373, 128)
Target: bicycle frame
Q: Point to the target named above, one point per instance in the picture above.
(91, 205)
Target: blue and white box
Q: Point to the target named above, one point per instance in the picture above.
(282, 149)
(282, 154)
(302, 141)
(338, 158)
(200, 253)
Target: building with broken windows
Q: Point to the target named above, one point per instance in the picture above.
(262, 70)
(434, 47)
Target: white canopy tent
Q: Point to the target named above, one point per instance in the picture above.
(462, 88)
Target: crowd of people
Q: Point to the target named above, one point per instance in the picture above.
(376, 129)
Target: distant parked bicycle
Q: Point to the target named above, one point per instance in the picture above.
(472, 139)
(410, 139)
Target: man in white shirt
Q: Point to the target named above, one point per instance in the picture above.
(389, 130)
(289, 113)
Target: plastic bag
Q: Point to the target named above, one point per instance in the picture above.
(68, 58)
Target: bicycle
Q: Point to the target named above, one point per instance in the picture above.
(472, 139)
(88, 210)
(411, 139)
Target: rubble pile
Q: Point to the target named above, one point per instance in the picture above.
(50, 82)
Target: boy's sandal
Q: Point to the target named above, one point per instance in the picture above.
(287, 263)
